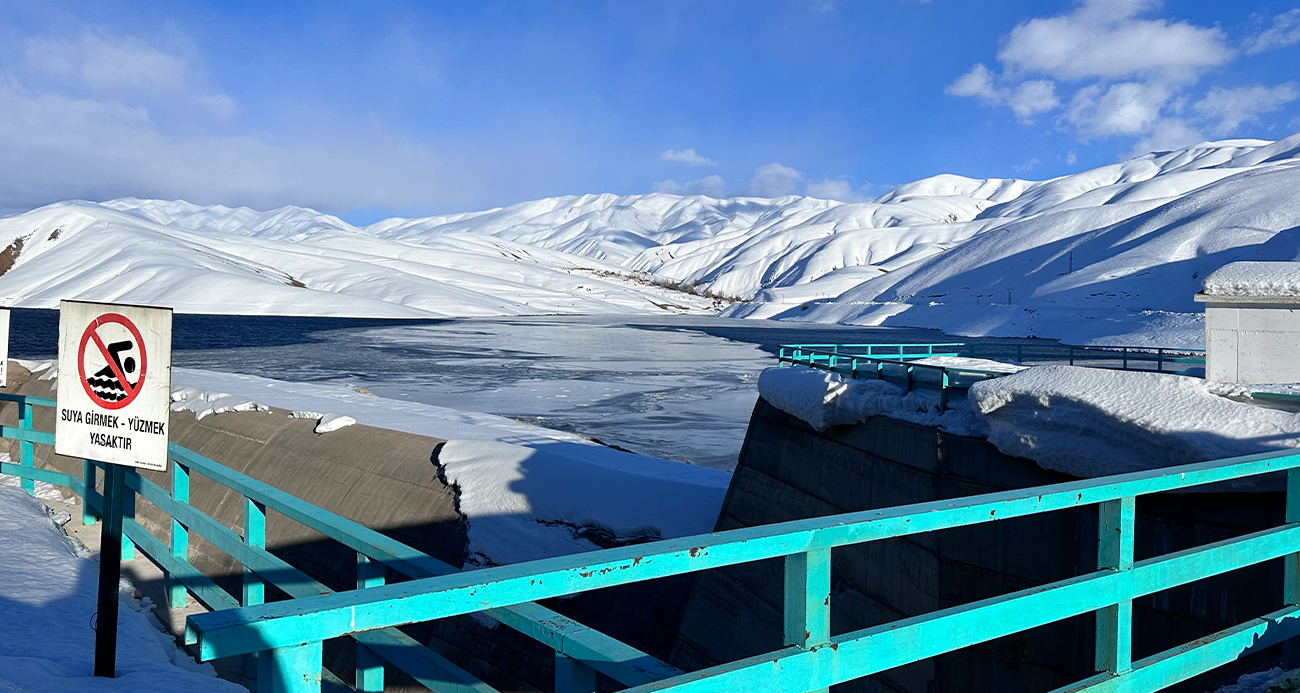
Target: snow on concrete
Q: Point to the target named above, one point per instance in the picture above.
(47, 598)
(205, 403)
(553, 487)
(333, 422)
(966, 363)
(529, 503)
(824, 399)
(1254, 279)
(1092, 422)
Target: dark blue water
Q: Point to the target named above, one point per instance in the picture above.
(34, 333)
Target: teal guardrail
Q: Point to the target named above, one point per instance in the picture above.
(893, 363)
(580, 651)
(811, 658)
(897, 363)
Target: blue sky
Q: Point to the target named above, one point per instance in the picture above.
(374, 109)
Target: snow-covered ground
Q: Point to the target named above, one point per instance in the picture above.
(1110, 255)
(47, 598)
(529, 492)
(1087, 422)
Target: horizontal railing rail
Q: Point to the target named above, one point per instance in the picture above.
(812, 659)
(580, 650)
(898, 363)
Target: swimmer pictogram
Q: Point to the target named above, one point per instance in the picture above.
(112, 361)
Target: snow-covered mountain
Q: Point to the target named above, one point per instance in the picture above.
(297, 262)
(1103, 254)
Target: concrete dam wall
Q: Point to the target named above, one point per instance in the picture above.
(387, 480)
(789, 471)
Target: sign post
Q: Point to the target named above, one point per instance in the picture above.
(112, 402)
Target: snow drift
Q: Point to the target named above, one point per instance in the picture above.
(1092, 422)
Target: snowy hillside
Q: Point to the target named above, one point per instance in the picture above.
(1111, 254)
(296, 262)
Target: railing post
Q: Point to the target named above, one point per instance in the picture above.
(943, 392)
(1160, 360)
(370, 666)
(89, 472)
(1071, 356)
(254, 588)
(290, 669)
(128, 513)
(572, 676)
(808, 599)
(25, 454)
(1115, 530)
(1125, 352)
(1291, 567)
(177, 597)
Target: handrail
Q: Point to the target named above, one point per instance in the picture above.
(814, 659)
(579, 646)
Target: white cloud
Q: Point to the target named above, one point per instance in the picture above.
(1028, 165)
(835, 189)
(1036, 96)
(710, 186)
(772, 180)
(56, 146)
(978, 82)
(1121, 73)
(1232, 107)
(685, 156)
(126, 68)
(1025, 100)
(1284, 32)
(1127, 108)
(1071, 158)
(1105, 39)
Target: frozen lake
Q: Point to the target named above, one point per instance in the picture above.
(680, 388)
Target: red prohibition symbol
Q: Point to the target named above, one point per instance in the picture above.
(119, 347)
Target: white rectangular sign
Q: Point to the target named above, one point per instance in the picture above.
(115, 375)
(4, 347)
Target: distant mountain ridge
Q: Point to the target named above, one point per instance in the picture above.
(1131, 237)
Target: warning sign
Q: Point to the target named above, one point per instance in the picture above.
(114, 383)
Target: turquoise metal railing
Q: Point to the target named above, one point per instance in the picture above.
(814, 659)
(896, 363)
(580, 651)
(889, 362)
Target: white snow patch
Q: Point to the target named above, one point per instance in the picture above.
(47, 598)
(333, 422)
(527, 503)
(1092, 422)
(1254, 279)
(966, 363)
(204, 402)
(824, 399)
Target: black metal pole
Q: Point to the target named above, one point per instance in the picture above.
(110, 573)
